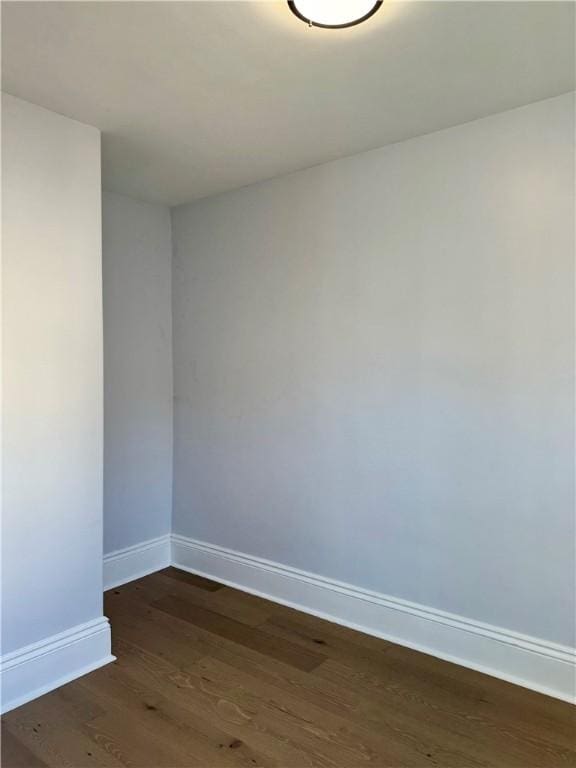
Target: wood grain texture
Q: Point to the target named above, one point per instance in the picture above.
(208, 676)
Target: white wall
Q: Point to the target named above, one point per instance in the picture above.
(52, 385)
(137, 255)
(373, 370)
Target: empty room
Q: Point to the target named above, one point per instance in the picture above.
(288, 402)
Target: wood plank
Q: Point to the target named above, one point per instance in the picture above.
(15, 754)
(319, 637)
(211, 677)
(192, 579)
(54, 728)
(319, 629)
(191, 689)
(426, 682)
(136, 617)
(339, 700)
(198, 741)
(159, 585)
(337, 735)
(266, 644)
(476, 730)
(159, 638)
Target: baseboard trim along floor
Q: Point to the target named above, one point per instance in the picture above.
(533, 663)
(41, 667)
(131, 563)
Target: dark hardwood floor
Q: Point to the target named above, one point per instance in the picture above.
(208, 676)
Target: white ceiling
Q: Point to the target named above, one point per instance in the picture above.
(195, 98)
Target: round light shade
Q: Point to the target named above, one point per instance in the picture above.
(334, 14)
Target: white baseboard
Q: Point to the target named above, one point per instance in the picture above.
(41, 667)
(543, 666)
(131, 563)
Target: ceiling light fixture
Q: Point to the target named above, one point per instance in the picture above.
(334, 14)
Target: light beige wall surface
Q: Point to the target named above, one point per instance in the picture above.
(137, 266)
(52, 374)
(374, 370)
